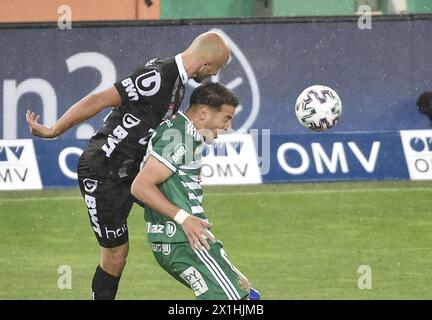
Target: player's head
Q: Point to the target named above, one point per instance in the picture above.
(211, 109)
(424, 103)
(207, 55)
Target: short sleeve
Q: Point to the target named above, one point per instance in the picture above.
(149, 84)
(169, 148)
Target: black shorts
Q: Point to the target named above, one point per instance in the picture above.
(108, 202)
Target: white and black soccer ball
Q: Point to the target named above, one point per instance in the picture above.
(318, 108)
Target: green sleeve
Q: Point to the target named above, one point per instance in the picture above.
(167, 145)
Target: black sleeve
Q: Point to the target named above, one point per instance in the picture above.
(146, 85)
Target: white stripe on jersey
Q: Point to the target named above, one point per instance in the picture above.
(197, 209)
(230, 284)
(215, 274)
(194, 197)
(192, 185)
(194, 165)
(164, 161)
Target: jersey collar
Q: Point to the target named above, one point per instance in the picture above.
(184, 116)
(198, 135)
(181, 69)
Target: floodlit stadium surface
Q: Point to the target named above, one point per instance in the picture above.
(293, 241)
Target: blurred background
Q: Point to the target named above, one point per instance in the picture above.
(46, 10)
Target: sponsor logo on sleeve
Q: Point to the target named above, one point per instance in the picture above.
(178, 152)
(149, 83)
(130, 89)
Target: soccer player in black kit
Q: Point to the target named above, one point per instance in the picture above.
(112, 158)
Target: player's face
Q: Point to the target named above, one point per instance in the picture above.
(204, 72)
(217, 121)
(207, 70)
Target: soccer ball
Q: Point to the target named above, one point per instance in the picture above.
(318, 108)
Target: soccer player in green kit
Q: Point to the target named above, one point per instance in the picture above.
(169, 185)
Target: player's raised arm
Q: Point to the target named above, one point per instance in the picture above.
(84, 109)
(145, 188)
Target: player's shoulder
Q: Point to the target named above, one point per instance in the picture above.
(158, 63)
(167, 125)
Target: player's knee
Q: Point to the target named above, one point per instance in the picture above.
(115, 257)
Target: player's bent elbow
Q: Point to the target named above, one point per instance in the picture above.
(138, 190)
(135, 190)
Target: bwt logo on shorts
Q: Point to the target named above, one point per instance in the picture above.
(90, 185)
(195, 279)
(417, 145)
(91, 205)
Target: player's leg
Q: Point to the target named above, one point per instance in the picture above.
(109, 204)
(113, 260)
(108, 273)
(208, 273)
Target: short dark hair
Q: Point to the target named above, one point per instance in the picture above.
(213, 95)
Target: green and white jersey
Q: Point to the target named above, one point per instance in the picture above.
(178, 145)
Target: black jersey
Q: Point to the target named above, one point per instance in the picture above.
(151, 94)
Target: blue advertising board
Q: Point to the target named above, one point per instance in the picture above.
(331, 157)
(289, 158)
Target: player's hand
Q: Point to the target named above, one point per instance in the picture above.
(196, 230)
(36, 128)
(244, 282)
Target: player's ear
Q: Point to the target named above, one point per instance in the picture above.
(205, 66)
(205, 113)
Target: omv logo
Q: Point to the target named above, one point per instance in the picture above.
(421, 144)
(239, 76)
(417, 146)
(11, 153)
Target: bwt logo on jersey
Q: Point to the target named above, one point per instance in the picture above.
(130, 89)
(119, 133)
(18, 165)
(417, 146)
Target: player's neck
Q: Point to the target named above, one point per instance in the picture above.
(191, 63)
(193, 117)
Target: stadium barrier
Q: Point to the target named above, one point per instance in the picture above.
(239, 159)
